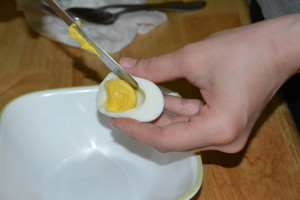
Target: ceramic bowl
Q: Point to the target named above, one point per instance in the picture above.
(54, 145)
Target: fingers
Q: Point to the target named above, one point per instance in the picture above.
(166, 119)
(182, 106)
(170, 138)
(167, 133)
(194, 133)
(156, 69)
(179, 134)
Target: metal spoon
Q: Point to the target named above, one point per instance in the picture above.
(102, 16)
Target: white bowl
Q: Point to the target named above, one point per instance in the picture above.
(54, 145)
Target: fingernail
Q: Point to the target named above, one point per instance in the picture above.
(128, 62)
(111, 123)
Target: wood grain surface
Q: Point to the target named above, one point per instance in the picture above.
(267, 168)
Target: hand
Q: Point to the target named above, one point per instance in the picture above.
(237, 72)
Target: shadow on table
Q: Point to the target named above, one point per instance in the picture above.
(80, 65)
(291, 94)
(91, 74)
(8, 10)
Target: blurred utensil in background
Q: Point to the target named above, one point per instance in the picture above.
(102, 15)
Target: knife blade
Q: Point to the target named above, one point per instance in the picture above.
(106, 59)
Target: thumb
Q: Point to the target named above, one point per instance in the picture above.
(156, 69)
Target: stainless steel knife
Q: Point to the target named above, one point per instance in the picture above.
(106, 59)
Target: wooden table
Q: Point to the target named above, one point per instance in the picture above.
(267, 168)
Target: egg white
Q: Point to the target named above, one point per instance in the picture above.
(149, 106)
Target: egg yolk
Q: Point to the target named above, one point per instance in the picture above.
(120, 96)
(84, 44)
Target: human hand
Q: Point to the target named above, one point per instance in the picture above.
(237, 72)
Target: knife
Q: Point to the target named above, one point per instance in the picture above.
(106, 59)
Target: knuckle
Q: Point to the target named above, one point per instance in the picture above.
(163, 144)
(188, 48)
(233, 147)
(188, 51)
(226, 137)
(228, 132)
(149, 63)
(162, 149)
(191, 61)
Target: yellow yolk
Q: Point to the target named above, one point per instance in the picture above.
(120, 96)
(84, 44)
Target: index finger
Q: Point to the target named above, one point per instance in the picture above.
(156, 69)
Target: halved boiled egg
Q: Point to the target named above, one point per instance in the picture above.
(116, 98)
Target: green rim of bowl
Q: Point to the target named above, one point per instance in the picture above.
(198, 181)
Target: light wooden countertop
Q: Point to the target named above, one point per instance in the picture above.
(268, 167)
